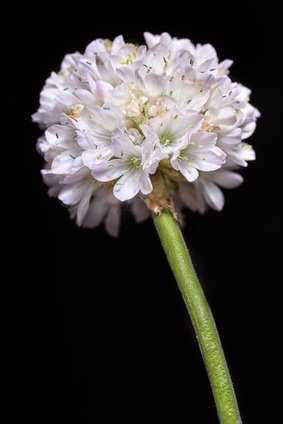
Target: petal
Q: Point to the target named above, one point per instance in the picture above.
(190, 173)
(226, 116)
(151, 40)
(155, 85)
(191, 195)
(145, 184)
(112, 221)
(96, 46)
(127, 186)
(208, 161)
(102, 89)
(248, 130)
(123, 140)
(204, 138)
(232, 138)
(107, 118)
(247, 151)
(117, 44)
(93, 158)
(181, 124)
(65, 163)
(227, 179)
(139, 210)
(89, 158)
(70, 195)
(59, 135)
(241, 154)
(96, 213)
(75, 177)
(84, 205)
(109, 170)
(213, 195)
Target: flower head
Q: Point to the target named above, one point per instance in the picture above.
(122, 120)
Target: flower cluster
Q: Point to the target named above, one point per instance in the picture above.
(144, 125)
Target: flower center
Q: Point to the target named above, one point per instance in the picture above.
(166, 139)
(183, 155)
(208, 127)
(129, 60)
(134, 162)
(75, 111)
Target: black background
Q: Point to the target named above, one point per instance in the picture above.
(106, 337)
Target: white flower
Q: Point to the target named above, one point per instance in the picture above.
(57, 94)
(132, 169)
(238, 152)
(198, 153)
(169, 131)
(206, 192)
(120, 119)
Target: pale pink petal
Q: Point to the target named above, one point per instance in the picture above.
(213, 195)
(227, 179)
(112, 221)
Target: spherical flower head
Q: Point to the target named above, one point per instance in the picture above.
(150, 127)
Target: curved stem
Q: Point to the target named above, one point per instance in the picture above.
(204, 325)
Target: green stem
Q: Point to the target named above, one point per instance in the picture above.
(204, 325)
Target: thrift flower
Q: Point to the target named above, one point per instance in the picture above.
(121, 120)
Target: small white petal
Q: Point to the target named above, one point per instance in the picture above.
(179, 125)
(190, 173)
(145, 184)
(155, 85)
(151, 40)
(227, 179)
(127, 186)
(213, 195)
(109, 171)
(70, 195)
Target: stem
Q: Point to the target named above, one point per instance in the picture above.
(204, 325)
